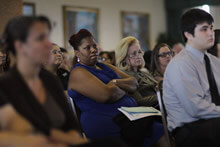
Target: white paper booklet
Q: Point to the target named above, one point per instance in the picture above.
(134, 113)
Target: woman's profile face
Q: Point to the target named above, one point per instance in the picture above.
(105, 58)
(164, 56)
(88, 52)
(57, 55)
(134, 56)
(38, 46)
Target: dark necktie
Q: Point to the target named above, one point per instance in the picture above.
(212, 84)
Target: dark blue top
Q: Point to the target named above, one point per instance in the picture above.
(96, 118)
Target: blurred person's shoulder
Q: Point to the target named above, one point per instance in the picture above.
(180, 60)
(10, 74)
(214, 58)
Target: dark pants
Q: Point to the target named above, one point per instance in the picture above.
(202, 133)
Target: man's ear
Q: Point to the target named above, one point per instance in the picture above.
(188, 35)
(18, 45)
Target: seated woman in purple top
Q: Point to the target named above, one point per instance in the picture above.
(99, 89)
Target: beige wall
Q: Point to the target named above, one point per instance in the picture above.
(9, 9)
(109, 31)
(215, 11)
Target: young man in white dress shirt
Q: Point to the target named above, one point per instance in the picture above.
(191, 100)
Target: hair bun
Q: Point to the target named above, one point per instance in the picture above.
(76, 39)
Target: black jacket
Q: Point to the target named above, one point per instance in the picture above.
(15, 91)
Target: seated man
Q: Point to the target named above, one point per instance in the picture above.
(192, 85)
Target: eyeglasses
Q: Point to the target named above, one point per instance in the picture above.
(57, 52)
(165, 54)
(103, 59)
(136, 54)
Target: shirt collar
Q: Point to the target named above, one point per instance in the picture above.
(195, 52)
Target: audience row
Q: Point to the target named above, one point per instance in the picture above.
(42, 78)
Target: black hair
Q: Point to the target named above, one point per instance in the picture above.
(63, 50)
(18, 29)
(193, 17)
(75, 39)
(147, 58)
